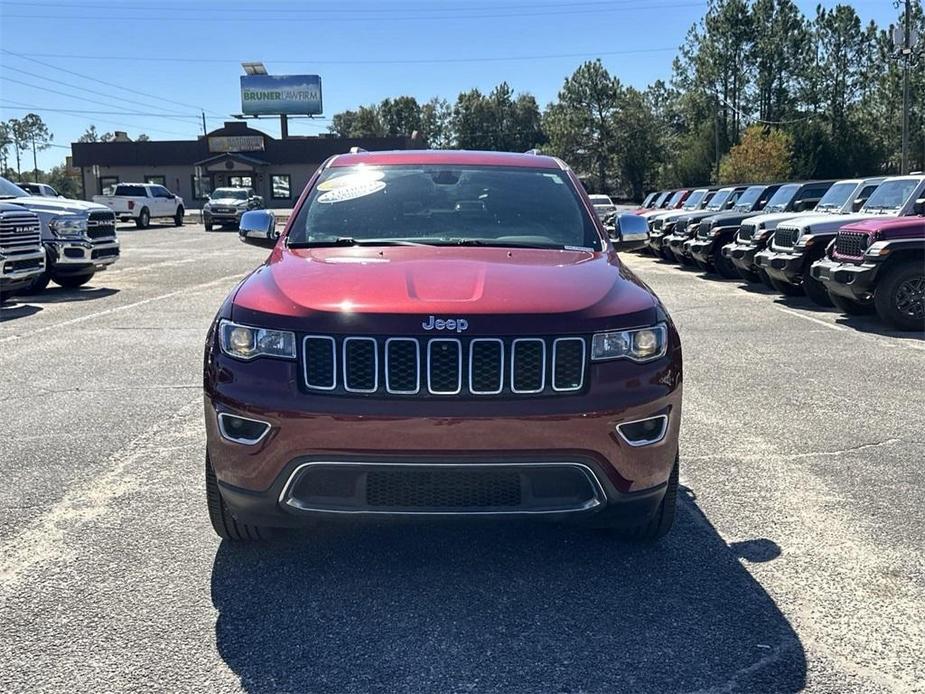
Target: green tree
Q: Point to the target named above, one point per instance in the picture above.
(437, 123)
(36, 135)
(400, 116)
(19, 138)
(778, 55)
(581, 124)
(5, 141)
(640, 142)
(142, 137)
(473, 121)
(63, 181)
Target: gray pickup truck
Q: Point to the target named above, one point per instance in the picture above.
(79, 238)
(22, 257)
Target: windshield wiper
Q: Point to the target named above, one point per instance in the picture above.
(491, 243)
(350, 241)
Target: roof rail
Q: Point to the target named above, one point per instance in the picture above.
(356, 150)
(534, 152)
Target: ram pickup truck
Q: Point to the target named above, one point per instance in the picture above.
(22, 257)
(722, 199)
(226, 205)
(790, 200)
(880, 264)
(798, 243)
(441, 333)
(700, 241)
(79, 237)
(142, 202)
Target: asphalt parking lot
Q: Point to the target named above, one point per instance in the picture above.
(797, 559)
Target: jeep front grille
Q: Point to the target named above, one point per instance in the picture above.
(746, 232)
(443, 366)
(851, 244)
(20, 232)
(786, 237)
(703, 230)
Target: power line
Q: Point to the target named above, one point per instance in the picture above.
(73, 86)
(411, 17)
(111, 113)
(18, 105)
(414, 61)
(126, 113)
(104, 82)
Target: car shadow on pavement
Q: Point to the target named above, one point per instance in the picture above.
(501, 607)
(57, 295)
(14, 311)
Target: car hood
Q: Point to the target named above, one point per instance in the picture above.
(821, 223)
(497, 290)
(227, 202)
(886, 227)
(38, 203)
(771, 221)
(731, 218)
(676, 215)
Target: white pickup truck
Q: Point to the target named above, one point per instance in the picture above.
(142, 202)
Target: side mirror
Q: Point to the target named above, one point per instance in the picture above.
(630, 231)
(258, 228)
(918, 207)
(858, 204)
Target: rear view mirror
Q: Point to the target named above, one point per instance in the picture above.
(258, 228)
(630, 231)
(918, 207)
(858, 204)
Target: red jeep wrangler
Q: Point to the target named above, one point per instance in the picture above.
(442, 333)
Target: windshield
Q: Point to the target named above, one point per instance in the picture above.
(693, 202)
(650, 198)
(719, 200)
(676, 198)
(748, 198)
(661, 199)
(11, 190)
(444, 205)
(836, 196)
(233, 193)
(781, 199)
(890, 195)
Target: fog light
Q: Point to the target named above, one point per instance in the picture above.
(644, 432)
(241, 429)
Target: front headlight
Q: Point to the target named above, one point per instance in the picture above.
(245, 342)
(68, 225)
(805, 239)
(643, 344)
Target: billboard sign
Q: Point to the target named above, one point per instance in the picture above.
(273, 95)
(236, 143)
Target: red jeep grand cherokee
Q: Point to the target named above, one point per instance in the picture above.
(441, 333)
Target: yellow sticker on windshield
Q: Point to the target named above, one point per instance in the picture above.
(358, 190)
(350, 179)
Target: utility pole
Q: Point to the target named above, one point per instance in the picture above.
(906, 53)
(204, 131)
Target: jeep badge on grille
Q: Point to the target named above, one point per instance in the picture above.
(457, 324)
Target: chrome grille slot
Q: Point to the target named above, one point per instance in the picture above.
(402, 366)
(101, 225)
(486, 366)
(439, 367)
(361, 365)
(851, 243)
(320, 362)
(19, 232)
(444, 366)
(568, 363)
(528, 365)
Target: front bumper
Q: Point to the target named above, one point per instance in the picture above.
(741, 254)
(578, 430)
(654, 240)
(222, 217)
(18, 269)
(78, 255)
(677, 244)
(702, 249)
(783, 266)
(852, 281)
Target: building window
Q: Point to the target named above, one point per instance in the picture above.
(106, 183)
(201, 187)
(156, 180)
(281, 188)
(241, 181)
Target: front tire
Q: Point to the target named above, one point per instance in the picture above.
(816, 291)
(178, 218)
(223, 522)
(144, 218)
(785, 288)
(725, 267)
(900, 296)
(659, 525)
(39, 282)
(850, 306)
(208, 226)
(748, 275)
(73, 281)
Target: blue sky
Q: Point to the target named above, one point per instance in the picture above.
(159, 62)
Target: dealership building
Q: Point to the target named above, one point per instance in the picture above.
(233, 155)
